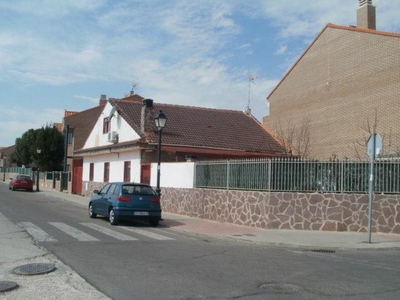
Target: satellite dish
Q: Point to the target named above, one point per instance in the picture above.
(113, 110)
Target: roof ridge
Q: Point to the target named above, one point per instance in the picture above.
(200, 107)
(186, 106)
(86, 110)
(334, 26)
(363, 29)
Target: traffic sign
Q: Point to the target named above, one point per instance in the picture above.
(374, 143)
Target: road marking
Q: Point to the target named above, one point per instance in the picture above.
(112, 233)
(75, 233)
(147, 233)
(37, 233)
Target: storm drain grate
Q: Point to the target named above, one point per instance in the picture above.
(6, 286)
(322, 250)
(34, 269)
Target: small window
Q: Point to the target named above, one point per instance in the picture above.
(127, 171)
(106, 125)
(106, 172)
(70, 137)
(91, 171)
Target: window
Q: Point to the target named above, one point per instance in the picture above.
(127, 171)
(111, 189)
(91, 171)
(70, 137)
(116, 190)
(138, 189)
(106, 125)
(104, 190)
(106, 172)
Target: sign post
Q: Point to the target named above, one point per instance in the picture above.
(374, 147)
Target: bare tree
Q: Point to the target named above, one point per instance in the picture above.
(371, 127)
(295, 137)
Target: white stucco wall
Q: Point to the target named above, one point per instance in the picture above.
(116, 161)
(118, 124)
(177, 175)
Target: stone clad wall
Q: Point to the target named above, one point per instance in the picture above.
(322, 212)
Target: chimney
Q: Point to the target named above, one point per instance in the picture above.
(366, 15)
(103, 100)
(147, 116)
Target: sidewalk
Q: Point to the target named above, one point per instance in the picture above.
(284, 238)
(17, 250)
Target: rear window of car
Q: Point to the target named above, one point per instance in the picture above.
(25, 177)
(138, 190)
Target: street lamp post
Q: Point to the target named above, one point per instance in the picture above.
(38, 151)
(4, 167)
(160, 120)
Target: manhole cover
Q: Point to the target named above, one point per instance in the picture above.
(6, 286)
(280, 288)
(34, 269)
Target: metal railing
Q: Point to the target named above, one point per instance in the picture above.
(298, 175)
(16, 170)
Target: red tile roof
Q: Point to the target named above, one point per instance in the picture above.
(189, 126)
(83, 123)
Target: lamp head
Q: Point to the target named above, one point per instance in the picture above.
(160, 120)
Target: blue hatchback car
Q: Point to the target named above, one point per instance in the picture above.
(125, 200)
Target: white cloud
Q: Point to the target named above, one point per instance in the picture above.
(281, 50)
(24, 119)
(50, 8)
(86, 98)
(182, 52)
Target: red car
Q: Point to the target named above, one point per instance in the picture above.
(21, 182)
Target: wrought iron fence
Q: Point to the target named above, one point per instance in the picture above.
(299, 175)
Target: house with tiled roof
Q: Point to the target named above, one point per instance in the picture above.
(5, 157)
(77, 127)
(124, 140)
(345, 86)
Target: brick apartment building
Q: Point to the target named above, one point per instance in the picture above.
(347, 81)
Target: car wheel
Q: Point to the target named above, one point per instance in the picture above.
(91, 213)
(111, 217)
(153, 223)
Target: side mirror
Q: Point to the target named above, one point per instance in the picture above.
(96, 192)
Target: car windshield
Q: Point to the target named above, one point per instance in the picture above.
(138, 190)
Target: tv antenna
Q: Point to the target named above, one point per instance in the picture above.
(251, 78)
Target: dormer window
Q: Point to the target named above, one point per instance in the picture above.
(106, 125)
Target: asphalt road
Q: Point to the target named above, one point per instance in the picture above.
(162, 263)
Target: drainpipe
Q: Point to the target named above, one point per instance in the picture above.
(66, 149)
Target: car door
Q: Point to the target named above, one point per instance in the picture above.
(110, 197)
(100, 201)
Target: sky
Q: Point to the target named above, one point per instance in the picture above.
(226, 54)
